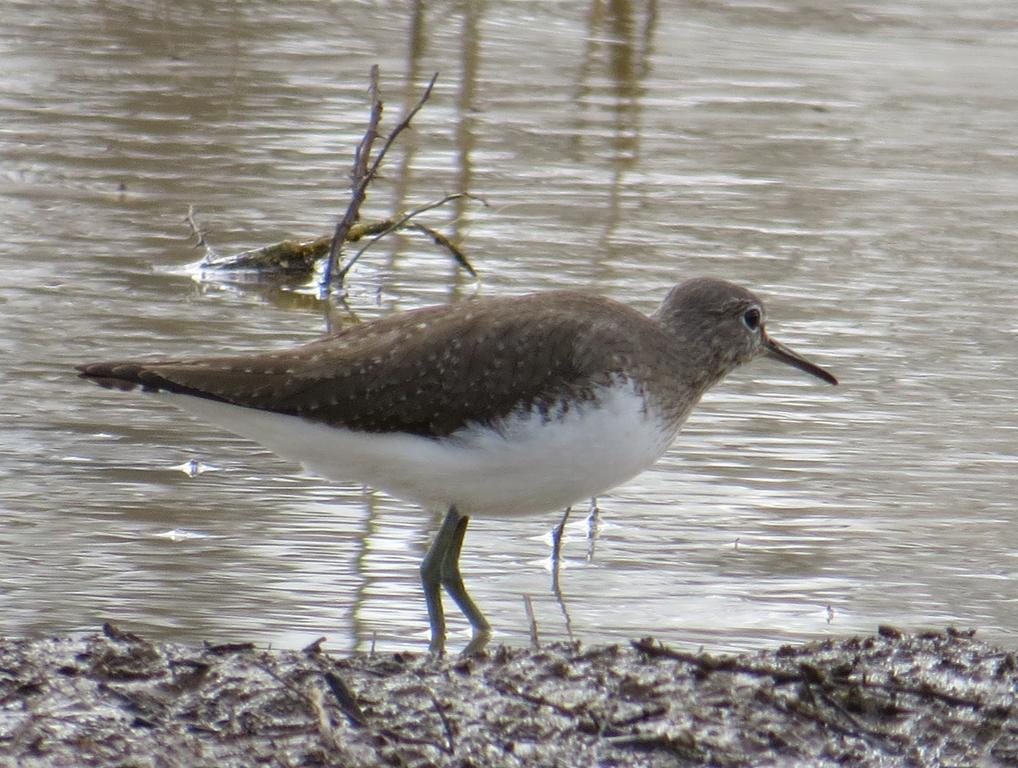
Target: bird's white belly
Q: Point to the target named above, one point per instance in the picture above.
(531, 464)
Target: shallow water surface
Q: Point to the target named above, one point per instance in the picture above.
(857, 166)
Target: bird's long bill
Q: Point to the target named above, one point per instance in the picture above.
(779, 351)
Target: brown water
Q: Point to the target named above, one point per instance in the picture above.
(857, 164)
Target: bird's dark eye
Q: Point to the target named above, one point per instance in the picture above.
(751, 318)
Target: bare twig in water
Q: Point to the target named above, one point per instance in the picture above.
(593, 528)
(556, 541)
(298, 257)
(439, 239)
(402, 125)
(403, 222)
(199, 235)
(359, 179)
(363, 173)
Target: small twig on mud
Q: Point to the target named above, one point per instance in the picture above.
(682, 745)
(529, 606)
(315, 648)
(804, 674)
(363, 174)
(346, 699)
(325, 732)
(707, 663)
(813, 678)
(507, 689)
(449, 738)
(402, 222)
(225, 649)
(113, 632)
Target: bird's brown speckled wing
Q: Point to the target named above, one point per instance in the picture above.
(427, 372)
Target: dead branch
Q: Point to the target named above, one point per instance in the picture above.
(362, 174)
(403, 222)
(439, 239)
(360, 177)
(298, 257)
(199, 235)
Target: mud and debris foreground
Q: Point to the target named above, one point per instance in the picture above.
(892, 699)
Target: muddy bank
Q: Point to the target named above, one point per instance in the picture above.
(891, 699)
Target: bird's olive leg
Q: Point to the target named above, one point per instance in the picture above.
(432, 568)
(453, 582)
